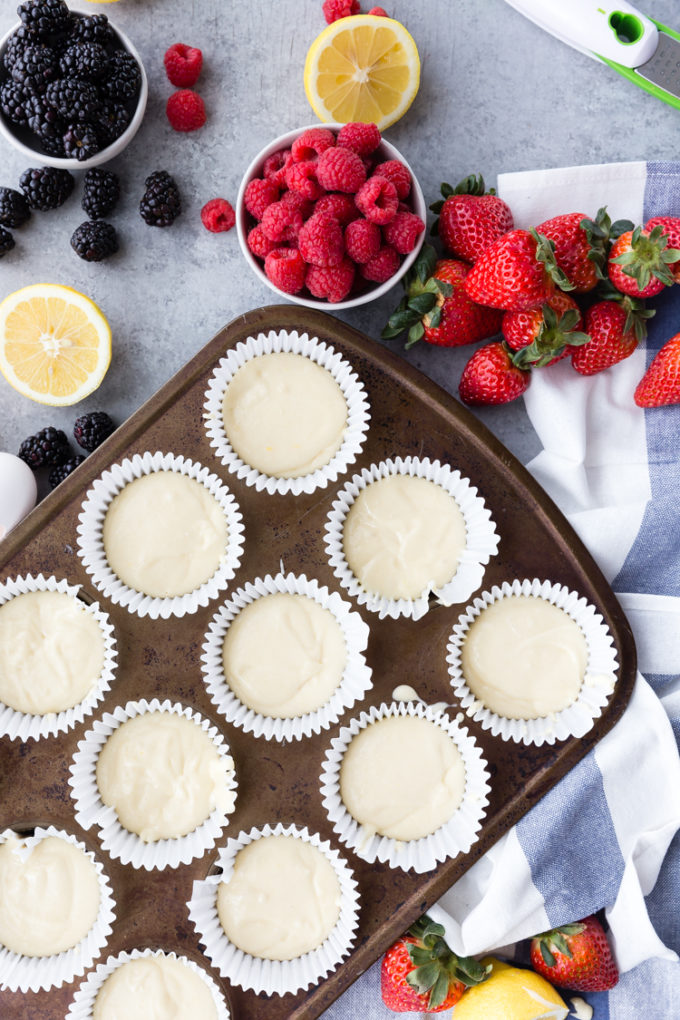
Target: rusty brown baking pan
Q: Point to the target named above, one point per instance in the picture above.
(409, 415)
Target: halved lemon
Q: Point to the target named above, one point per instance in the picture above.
(363, 68)
(55, 344)
(511, 993)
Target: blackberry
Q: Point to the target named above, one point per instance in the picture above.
(45, 17)
(73, 99)
(101, 192)
(94, 28)
(94, 240)
(90, 430)
(35, 67)
(58, 474)
(43, 120)
(53, 146)
(161, 204)
(6, 242)
(14, 209)
(123, 77)
(46, 187)
(81, 141)
(87, 61)
(112, 121)
(14, 102)
(49, 446)
(17, 43)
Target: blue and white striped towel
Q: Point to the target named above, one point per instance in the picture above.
(607, 834)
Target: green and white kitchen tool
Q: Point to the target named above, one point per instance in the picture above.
(639, 48)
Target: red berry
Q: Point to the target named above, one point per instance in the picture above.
(403, 231)
(378, 12)
(275, 167)
(302, 177)
(645, 274)
(660, 384)
(281, 222)
(490, 377)
(340, 169)
(575, 956)
(382, 266)
(321, 242)
(259, 243)
(362, 240)
(378, 200)
(340, 206)
(218, 215)
(185, 110)
(334, 9)
(312, 143)
(331, 282)
(360, 138)
(298, 201)
(286, 269)
(183, 65)
(258, 195)
(396, 172)
(470, 222)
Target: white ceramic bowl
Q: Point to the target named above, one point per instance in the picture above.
(385, 151)
(32, 150)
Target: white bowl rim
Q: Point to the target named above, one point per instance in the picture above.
(283, 142)
(112, 150)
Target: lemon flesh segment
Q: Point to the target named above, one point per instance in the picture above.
(363, 68)
(513, 994)
(55, 344)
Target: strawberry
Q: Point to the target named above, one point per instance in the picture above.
(419, 973)
(660, 385)
(582, 245)
(436, 308)
(640, 260)
(575, 956)
(490, 377)
(542, 336)
(516, 272)
(615, 328)
(670, 227)
(470, 218)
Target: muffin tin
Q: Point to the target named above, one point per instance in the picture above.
(280, 782)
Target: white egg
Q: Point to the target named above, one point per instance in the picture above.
(18, 491)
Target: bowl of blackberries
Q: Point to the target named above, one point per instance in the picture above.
(73, 89)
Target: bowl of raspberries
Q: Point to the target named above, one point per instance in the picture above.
(73, 89)
(330, 214)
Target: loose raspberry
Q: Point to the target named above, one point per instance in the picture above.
(298, 201)
(321, 241)
(183, 65)
(399, 174)
(340, 206)
(378, 12)
(378, 200)
(362, 240)
(286, 269)
(382, 267)
(403, 232)
(360, 138)
(340, 169)
(312, 143)
(281, 222)
(185, 110)
(275, 167)
(218, 215)
(331, 282)
(335, 9)
(259, 243)
(302, 177)
(258, 195)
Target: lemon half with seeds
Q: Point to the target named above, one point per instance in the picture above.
(363, 68)
(510, 993)
(55, 344)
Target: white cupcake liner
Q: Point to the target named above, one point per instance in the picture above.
(85, 996)
(325, 356)
(480, 545)
(33, 973)
(273, 977)
(454, 837)
(601, 668)
(26, 726)
(127, 846)
(91, 543)
(356, 677)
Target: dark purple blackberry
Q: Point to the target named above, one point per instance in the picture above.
(53, 146)
(94, 28)
(161, 203)
(43, 120)
(87, 61)
(46, 187)
(94, 240)
(35, 67)
(81, 141)
(6, 242)
(101, 191)
(14, 209)
(14, 102)
(123, 78)
(90, 430)
(58, 474)
(111, 122)
(45, 17)
(47, 447)
(73, 99)
(17, 43)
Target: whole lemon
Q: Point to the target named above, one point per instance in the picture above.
(510, 993)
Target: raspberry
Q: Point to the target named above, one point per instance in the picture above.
(396, 172)
(183, 65)
(281, 222)
(378, 12)
(298, 201)
(185, 110)
(340, 169)
(302, 177)
(377, 200)
(321, 241)
(275, 167)
(334, 9)
(342, 207)
(403, 232)
(331, 282)
(258, 195)
(362, 240)
(312, 143)
(382, 267)
(218, 215)
(259, 243)
(286, 269)
(360, 138)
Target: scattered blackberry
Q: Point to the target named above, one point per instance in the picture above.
(45, 17)
(14, 102)
(43, 120)
(94, 240)
(73, 99)
(13, 208)
(58, 474)
(46, 187)
(17, 43)
(35, 67)
(101, 192)
(161, 204)
(87, 61)
(90, 430)
(94, 28)
(6, 242)
(112, 121)
(81, 141)
(123, 77)
(49, 446)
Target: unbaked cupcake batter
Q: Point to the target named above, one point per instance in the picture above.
(154, 988)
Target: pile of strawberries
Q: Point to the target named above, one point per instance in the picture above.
(570, 287)
(329, 216)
